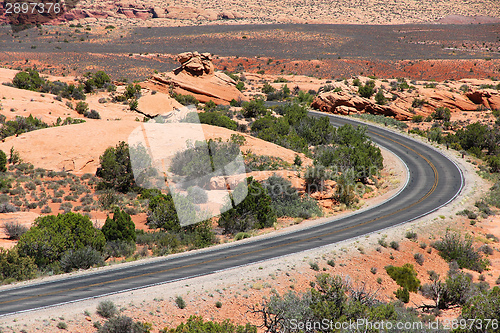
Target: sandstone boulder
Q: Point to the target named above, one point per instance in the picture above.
(196, 76)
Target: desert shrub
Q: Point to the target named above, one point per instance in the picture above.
(486, 249)
(353, 151)
(470, 214)
(6, 207)
(81, 108)
(123, 324)
(21, 125)
(367, 90)
(241, 235)
(62, 325)
(51, 236)
(115, 169)
(314, 178)
(483, 207)
(331, 263)
(286, 200)
(411, 235)
(442, 113)
(180, 302)
(29, 79)
(380, 97)
(197, 195)
(419, 258)
(253, 108)
(264, 163)
(93, 114)
(3, 161)
(452, 247)
(405, 276)
(132, 91)
(417, 118)
(394, 245)
(119, 248)
(46, 210)
(14, 230)
(119, 228)
(403, 295)
(186, 99)
(217, 119)
(198, 163)
(196, 324)
(82, 258)
(162, 213)
(14, 266)
(106, 309)
(314, 266)
(345, 190)
(254, 209)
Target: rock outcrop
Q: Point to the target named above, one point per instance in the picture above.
(402, 107)
(197, 76)
(345, 103)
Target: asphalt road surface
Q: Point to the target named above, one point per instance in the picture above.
(434, 180)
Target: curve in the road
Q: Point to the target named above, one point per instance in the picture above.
(433, 181)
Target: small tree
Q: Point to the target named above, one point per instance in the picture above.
(254, 211)
(120, 227)
(116, 169)
(380, 97)
(3, 161)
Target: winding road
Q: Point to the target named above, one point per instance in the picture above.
(434, 180)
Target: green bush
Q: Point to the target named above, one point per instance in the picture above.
(286, 200)
(162, 213)
(123, 324)
(14, 266)
(186, 99)
(3, 161)
(119, 249)
(380, 97)
(115, 169)
(82, 258)
(403, 295)
(119, 228)
(28, 79)
(452, 247)
(21, 125)
(405, 276)
(106, 309)
(51, 236)
(196, 324)
(180, 302)
(81, 108)
(198, 163)
(241, 235)
(249, 210)
(216, 119)
(253, 108)
(367, 90)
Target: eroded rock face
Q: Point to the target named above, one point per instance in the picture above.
(195, 63)
(402, 107)
(196, 76)
(345, 103)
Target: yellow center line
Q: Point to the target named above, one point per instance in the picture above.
(433, 188)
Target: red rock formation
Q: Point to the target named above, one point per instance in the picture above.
(196, 76)
(345, 103)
